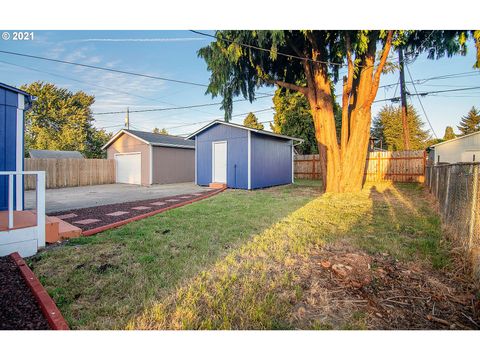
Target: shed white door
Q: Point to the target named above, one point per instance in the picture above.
(219, 162)
(129, 168)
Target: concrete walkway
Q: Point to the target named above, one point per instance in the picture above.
(88, 196)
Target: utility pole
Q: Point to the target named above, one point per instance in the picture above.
(127, 119)
(406, 130)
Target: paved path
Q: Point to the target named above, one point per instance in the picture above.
(88, 196)
(95, 218)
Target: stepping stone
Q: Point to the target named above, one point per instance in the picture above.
(66, 216)
(141, 208)
(86, 221)
(118, 213)
(158, 203)
(172, 200)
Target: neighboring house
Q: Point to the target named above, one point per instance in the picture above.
(13, 103)
(242, 157)
(461, 149)
(55, 154)
(22, 231)
(146, 158)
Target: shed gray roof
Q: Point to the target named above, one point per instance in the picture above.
(55, 154)
(14, 89)
(154, 139)
(268, 133)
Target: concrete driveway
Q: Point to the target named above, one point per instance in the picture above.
(87, 196)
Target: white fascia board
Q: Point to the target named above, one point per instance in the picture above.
(249, 160)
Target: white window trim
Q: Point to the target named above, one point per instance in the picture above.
(19, 151)
(249, 161)
(151, 165)
(293, 164)
(213, 159)
(196, 151)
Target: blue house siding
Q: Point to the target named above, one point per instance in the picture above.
(8, 140)
(271, 161)
(237, 155)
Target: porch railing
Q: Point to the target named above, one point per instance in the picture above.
(19, 191)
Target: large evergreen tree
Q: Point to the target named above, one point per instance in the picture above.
(293, 118)
(162, 131)
(387, 126)
(241, 61)
(449, 134)
(251, 121)
(471, 122)
(62, 120)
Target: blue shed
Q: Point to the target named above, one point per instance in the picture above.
(242, 157)
(13, 103)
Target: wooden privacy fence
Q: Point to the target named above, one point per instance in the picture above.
(398, 166)
(71, 172)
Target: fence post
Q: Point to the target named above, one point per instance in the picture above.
(313, 167)
(378, 167)
(41, 209)
(10, 201)
(473, 207)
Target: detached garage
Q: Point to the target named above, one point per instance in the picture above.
(146, 158)
(241, 157)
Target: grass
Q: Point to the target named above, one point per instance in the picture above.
(229, 261)
(102, 281)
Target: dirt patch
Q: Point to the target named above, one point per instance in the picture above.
(19, 309)
(123, 211)
(346, 288)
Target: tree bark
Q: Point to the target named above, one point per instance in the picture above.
(343, 163)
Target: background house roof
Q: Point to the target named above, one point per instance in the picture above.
(55, 154)
(477, 133)
(155, 139)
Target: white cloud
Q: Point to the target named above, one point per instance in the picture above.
(137, 40)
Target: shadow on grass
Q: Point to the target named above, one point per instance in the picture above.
(257, 285)
(100, 282)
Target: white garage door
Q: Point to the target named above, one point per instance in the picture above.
(129, 168)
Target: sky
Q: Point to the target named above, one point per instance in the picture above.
(173, 54)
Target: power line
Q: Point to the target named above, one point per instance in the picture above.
(420, 101)
(176, 108)
(267, 50)
(103, 68)
(203, 122)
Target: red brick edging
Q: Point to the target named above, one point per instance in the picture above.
(143, 216)
(47, 305)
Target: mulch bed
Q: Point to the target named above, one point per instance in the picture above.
(100, 212)
(341, 283)
(19, 309)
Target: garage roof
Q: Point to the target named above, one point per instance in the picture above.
(55, 154)
(154, 139)
(268, 133)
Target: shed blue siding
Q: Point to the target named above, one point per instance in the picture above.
(271, 161)
(237, 155)
(8, 140)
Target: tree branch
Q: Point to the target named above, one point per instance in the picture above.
(301, 89)
(347, 89)
(378, 72)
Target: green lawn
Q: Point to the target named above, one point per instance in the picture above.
(229, 261)
(103, 281)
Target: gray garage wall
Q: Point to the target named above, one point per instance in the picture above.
(173, 165)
